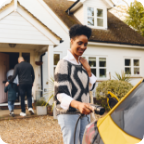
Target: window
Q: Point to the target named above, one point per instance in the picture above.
(56, 60)
(92, 63)
(132, 66)
(98, 66)
(95, 17)
(102, 67)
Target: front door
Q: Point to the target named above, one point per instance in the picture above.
(4, 67)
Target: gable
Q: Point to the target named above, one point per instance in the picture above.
(82, 14)
(14, 26)
(98, 3)
(14, 6)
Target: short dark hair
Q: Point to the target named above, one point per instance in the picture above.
(77, 30)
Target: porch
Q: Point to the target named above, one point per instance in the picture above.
(22, 34)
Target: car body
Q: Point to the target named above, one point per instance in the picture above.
(124, 124)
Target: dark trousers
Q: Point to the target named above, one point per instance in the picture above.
(25, 89)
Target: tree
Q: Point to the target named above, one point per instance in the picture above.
(120, 9)
(135, 18)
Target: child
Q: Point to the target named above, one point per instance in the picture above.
(12, 91)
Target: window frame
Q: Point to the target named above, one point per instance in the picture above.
(96, 17)
(97, 65)
(54, 66)
(132, 66)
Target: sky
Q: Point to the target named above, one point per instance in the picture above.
(115, 1)
(128, 1)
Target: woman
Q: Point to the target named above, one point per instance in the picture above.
(73, 80)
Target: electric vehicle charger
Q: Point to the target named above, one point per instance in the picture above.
(97, 109)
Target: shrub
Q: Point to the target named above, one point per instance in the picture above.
(119, 88)
(122, 77)
(41, 102)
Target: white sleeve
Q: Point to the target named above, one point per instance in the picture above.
(65, 100)
(92, 81)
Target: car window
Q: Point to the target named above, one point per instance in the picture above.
(129, 115)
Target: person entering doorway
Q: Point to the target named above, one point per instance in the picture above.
(26, 77)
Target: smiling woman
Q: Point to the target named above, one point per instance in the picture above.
(73, 80)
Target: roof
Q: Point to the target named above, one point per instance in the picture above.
(117, 32)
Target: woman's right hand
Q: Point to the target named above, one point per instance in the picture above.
(84, 108)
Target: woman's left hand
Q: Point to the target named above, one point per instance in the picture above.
(86, 65)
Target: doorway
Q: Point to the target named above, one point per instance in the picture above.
(8, 61)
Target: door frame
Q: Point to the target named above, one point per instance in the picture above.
(20, 51)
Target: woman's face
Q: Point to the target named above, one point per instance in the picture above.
(79, 45)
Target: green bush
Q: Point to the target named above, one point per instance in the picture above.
(119, 88)
(41, 102)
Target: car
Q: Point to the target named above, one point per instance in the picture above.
(124, 123)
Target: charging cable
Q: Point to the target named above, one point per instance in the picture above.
(97, 109)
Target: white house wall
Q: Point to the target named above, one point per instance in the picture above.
(79, 14)
(115, 59)
(98, 3)
(43, 13)
(15, 27)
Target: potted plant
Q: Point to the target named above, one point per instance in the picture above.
(41, 106)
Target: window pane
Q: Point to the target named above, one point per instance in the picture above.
(92, 61)
(90, 21)
(136, 62)
(93, 71)
(90, 11)
(127, 70)
(102, 73)
(100, 22)
(99, 12)
(56, 58)
(102, 62)
(136, 71)
(26, 57)
(127, 62)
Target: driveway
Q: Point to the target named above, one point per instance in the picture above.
(39, 130)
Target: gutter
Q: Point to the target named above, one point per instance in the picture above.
(115, 44)
(111, 7)
(68, 10)
(42, 74)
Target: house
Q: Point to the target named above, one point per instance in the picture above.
(38, 31)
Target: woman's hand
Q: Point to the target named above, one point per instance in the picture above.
(84, 108)
(86, 65)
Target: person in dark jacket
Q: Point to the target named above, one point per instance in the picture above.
(12, 90)
(26, 77)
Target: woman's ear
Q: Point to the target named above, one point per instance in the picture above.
(71, 40)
